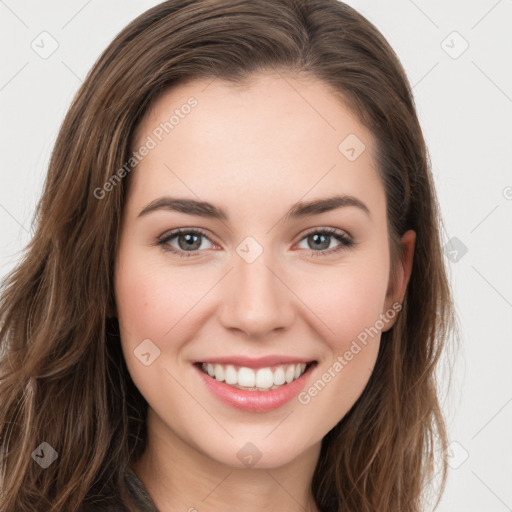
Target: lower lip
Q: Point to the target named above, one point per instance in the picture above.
(255, 401)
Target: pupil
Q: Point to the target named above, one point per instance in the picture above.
(189, 242)
(316, 239)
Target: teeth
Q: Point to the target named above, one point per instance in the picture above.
(262, 379)
(290, 373)
(219, 372)
(246, 377)
(279, 377)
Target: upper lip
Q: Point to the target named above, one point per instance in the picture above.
(260, 362)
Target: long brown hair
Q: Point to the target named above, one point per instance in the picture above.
(63, 379)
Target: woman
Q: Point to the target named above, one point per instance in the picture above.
(235, 297)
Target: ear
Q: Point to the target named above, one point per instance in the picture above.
(398, 283)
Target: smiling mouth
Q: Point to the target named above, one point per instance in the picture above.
(261, 379)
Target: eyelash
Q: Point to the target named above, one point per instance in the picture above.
(346, 241)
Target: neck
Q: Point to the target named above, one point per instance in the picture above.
(180, 477)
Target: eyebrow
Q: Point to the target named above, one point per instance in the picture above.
(298, 210)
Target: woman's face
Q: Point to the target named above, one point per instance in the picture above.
(260, 279)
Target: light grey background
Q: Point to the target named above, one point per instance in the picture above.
(464, 100)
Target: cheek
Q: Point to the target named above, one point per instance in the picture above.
(150, 301)
(350, 307)
(350, 312)
(348, 302)
(152, 305)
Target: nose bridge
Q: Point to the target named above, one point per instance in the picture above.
(257, 302)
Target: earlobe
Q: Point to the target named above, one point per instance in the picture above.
(402, 277)
(408, 241)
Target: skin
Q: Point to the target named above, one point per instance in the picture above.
(254, 152)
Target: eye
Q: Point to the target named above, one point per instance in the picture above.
(189, 241)
(320, 240)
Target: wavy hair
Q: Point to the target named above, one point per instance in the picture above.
(63, 379)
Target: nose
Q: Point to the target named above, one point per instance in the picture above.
(256, 299)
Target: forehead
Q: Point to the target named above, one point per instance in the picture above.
(260, 106)
(274, 135)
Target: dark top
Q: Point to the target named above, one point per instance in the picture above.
(139, 493)
(144, 502)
